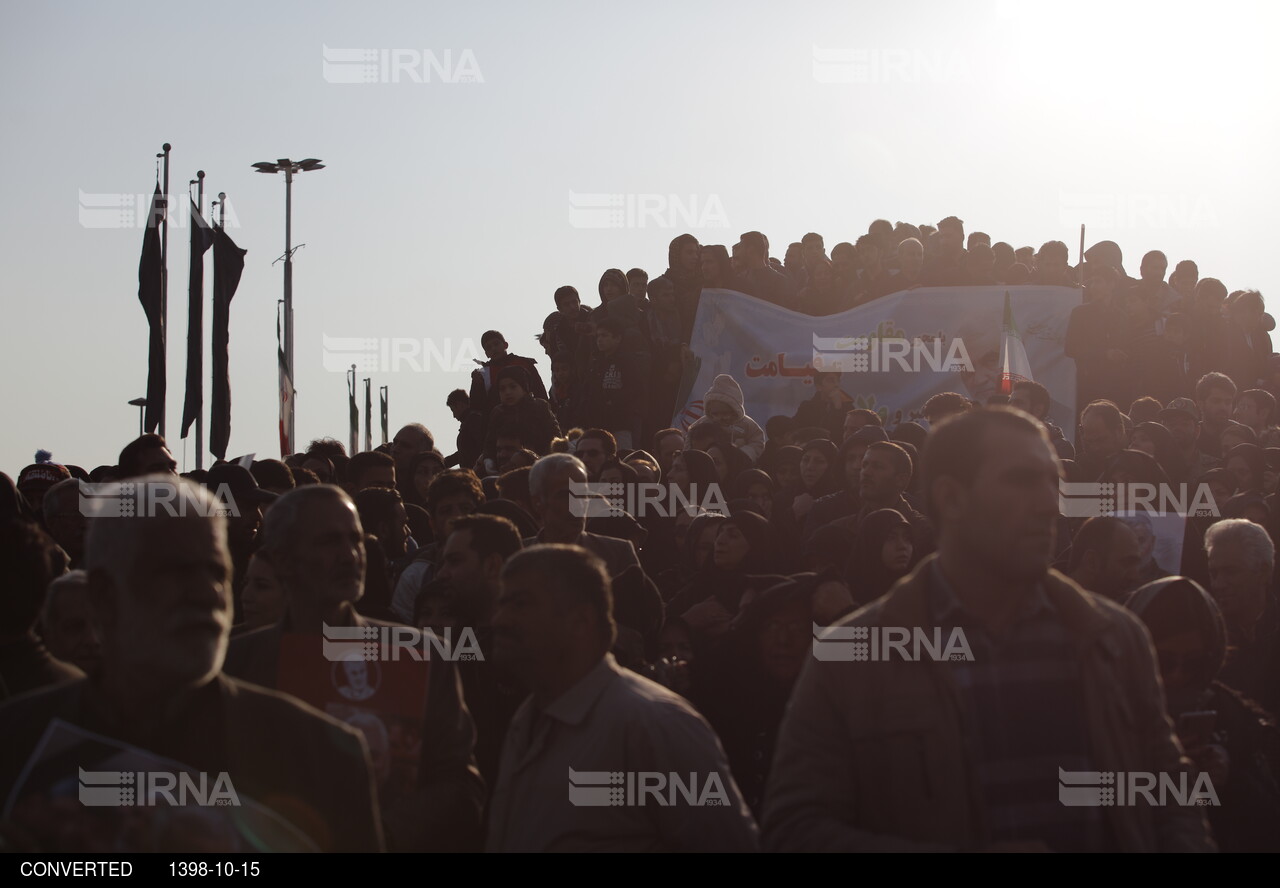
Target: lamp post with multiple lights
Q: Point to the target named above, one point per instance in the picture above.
(289, 168)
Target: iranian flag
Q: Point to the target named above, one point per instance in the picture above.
(1014, 365)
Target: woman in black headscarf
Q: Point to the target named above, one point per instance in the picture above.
(756, 486)
(730, 462)
(1157, 441)
(1246, 464)
(693, 472)
(743, 546)
(883, 552)
(819, 475)
(769, 642)
(1135, 467)
(1225, 734)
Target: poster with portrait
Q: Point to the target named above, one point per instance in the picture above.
(384, 699)
(80, 789)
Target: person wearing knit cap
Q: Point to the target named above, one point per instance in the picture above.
(519, 414)
(36, 478)
(724, 406)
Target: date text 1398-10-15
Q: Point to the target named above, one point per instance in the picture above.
(218, 868)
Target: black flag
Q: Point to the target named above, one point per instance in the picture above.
(382, 396)
(285, 380)
(368, 414)
(355, 411)
(228, 263)
(150, 286)
(201, 240)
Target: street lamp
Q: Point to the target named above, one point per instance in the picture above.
(140, 403)
(289, 167)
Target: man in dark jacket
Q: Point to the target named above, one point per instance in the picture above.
(1095, 341)
(471, 429)
(569, 327)
(520, 414)
(616, 391)
(1248, 342)
(484, 381)
(847, 501)
(756, 277)
(950, 265)
(160, 582)
(827, 408)
(883, 475)
(969, 747)
(1033, 398)
(315, 544)
(684, 273)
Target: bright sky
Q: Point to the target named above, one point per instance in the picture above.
(445, 207)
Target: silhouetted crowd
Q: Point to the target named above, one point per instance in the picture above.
(733, 636)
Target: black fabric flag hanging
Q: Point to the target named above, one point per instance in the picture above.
(286, 384)
(150, 288)
(382, 397)
(354, 410)
(201, 240)
(228, 264)
(368, 414)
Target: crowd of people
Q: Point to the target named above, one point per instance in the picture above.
(684, 642)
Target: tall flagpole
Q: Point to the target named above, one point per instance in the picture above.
(164, 275)
(288, 300)
(200, 343)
